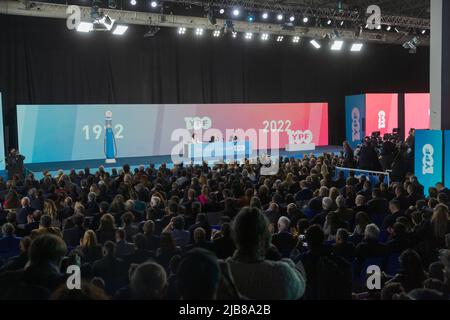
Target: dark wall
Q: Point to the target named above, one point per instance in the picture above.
(41, 62)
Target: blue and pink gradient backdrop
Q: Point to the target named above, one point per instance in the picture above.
(53, 133)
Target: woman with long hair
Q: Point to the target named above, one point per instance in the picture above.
(412, 274)
(107, 229)
(51, 210)
(89, 249)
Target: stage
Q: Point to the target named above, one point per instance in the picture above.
(38, 168)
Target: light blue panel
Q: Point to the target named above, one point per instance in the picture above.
(428, 164)
(355, 114)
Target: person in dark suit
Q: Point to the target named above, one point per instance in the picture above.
(396, 212)
(37, 202)
(399, 239)
(284, 240)
(18, 262)
(305, 193)
(343, 248)
(72, 236)
(149, 234)
(33, 222)
(201, 222)
(400, 196)
(24, 211)
(140, 253)
(349, 161)
(9, 244)
(91, 206)
(15, 164)
(370, 246)
(224, 246)
(111, 269)
(378, 206)
(123, 247)
(67, 210)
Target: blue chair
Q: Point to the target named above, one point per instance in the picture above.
(393, 264)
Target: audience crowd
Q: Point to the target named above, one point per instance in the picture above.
(225, 232)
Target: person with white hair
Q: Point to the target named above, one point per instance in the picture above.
(24, 211)
(371, 247)
(327, 206)
(344, 214)
(284, 240)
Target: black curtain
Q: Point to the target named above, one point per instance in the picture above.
(42, 62)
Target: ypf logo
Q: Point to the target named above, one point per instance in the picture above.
(381, 120)
(428, 160)
(300, 137)
(356, 126)
(197, 123)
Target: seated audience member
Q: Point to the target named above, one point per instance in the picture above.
(131, 229)
(176, 228)
(89, 249)
(111, 269)
(378, 205)
(360, 204)
(256, 277)
(172, 279)
(370, 247)
(91, 206)
(33, 222)
(151, 238)
(123, 247)
(140, 253)
(328, 276)
(284, 240)
(200, 241)
(343, 248)
(395, 213)
(9, 243)
(167, 250)
(343, 213)
(107, 229)
(411, 275)
(198, 275)
(19, 261)
(42, 275)
(327, 207)
(224, 245)
(148, 282)
(25, 210)
(72, 236)
(201, 222)
(399, 239)
(45, 227)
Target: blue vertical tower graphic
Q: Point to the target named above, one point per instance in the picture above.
(110, 146)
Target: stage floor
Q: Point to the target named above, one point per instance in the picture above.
(53, 167)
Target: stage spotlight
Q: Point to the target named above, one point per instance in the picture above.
(154, 4)
(222, 11)
(342, 23)
(305, 20)
(315, 44)
(234, 34)
(250, 17)
(296, 39)
(248, 35)
(280, 38)
(216, 33)
(85, 27)
(356, 47)
(379, 27)
(112, 4)
(236, 12)
(292, 19)
(337, 45)
(424, 31)
(120, 30)
(412, 45)
(265, 15)
(280, 17)
(181, 30)
(104, 23)
(329, 22)
(211, 16)
(264, 37)
(133, 2)
(199, 32)
(388, 28)
(396, 30)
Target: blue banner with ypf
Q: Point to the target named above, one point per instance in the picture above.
(355, 114)
(428, 158)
